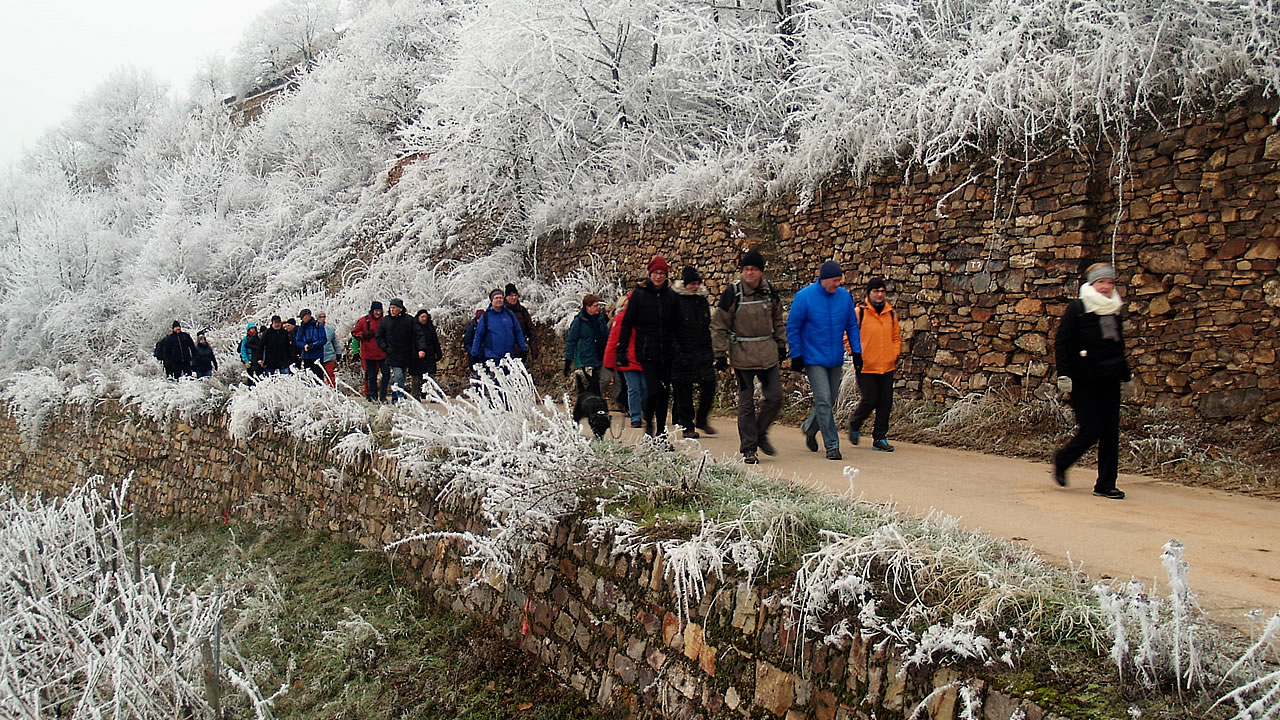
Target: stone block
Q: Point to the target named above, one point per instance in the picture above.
(693, 638)
(775, 688)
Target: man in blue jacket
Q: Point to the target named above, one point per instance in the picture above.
(310, 339)
(822, 316)
(498, 332)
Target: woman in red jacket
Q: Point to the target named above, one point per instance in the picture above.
(632, 373)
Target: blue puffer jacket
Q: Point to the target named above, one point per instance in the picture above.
(498, 333)
(310, 333)
(818, 323)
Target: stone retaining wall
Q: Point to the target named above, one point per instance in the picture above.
(982, 260)
(606, 623)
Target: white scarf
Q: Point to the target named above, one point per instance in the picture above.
(1099, 304)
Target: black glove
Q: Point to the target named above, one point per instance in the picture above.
(622, 360)
(782, 354)
(857, 362)
(722, 363)
(797, 364)
(568, 365)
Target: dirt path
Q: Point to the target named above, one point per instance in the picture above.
(1232, 541)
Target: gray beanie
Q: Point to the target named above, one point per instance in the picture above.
(1099, 271)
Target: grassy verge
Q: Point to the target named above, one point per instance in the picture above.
(359, 643)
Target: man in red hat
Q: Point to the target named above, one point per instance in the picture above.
(652, 315)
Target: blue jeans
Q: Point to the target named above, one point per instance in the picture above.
(825, 383)
(635, 393)
(397, 378)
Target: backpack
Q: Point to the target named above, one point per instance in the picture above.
(729, 304)
(469, 336)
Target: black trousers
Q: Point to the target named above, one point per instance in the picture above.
(877, 396)
(657, 378)
(1096, 402)
(683, 411)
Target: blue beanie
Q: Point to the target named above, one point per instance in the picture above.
(830, 269)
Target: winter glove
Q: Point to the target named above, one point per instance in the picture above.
(857, 362)
(797, 364)
(1064, 384)
(622, 360)
(782, 354)
(568, 365)
(722, 363)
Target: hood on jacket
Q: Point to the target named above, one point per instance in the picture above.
(678, 287)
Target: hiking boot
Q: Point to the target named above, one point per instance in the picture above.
(637, 424)
(882, 444)
(691, 435)
(811, 441)
(1060, 476)
(834, 454)
(765, 446)
(1112, 494)
(750, 458)
(854, 436)
(706, 428)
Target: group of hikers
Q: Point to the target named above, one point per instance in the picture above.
(667, 340)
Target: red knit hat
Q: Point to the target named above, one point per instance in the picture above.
(657, 264)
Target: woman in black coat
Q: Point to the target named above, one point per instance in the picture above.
(694, 364)
(424, 361)
(651, 315)
(1091, 368)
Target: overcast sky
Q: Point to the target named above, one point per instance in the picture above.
(54, 52)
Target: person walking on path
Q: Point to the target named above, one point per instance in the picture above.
(822, 318)
(176, 351)
(511, 300)
(310, 339)
(398, 339)
(428, 355)
(498, 332)
(329, 360)
(632, 372)
(694, 365)
(747, 332)
(277, 352)
(1091, 368)
(373, 357)
(585, 345)
(881, 345)
(251, 352)
(651, 319)
(204, 362)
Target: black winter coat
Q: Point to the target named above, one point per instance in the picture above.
(428, 341)
(277, 349)
(1082, 353)
(176, 350)
(695, 359)
(653, 316)
(204, 360)
(398, 340)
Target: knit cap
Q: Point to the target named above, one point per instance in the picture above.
(752, 258)
(690, 275)
(657, 264)
(830, 269)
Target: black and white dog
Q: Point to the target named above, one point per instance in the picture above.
(591, 406)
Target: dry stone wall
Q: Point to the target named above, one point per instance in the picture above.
(982, 259)
(604, 621)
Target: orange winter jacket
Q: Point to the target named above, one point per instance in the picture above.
(881, 338)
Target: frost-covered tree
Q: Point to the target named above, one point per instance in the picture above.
(291, 33)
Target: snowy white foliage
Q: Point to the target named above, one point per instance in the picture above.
(1258, 695)
(84, 631)
(520, 461)
(298, 406)
(32, 396)
(156, 397)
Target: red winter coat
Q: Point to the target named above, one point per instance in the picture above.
(611, 348)
(367, 330)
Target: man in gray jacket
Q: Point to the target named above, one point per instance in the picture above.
(748, 332)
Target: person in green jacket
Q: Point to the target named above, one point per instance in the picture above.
(585, 345)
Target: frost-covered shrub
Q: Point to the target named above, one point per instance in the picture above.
(158, 398)
(520, 460)
(85, 631)
(299, 406)
(33, 397)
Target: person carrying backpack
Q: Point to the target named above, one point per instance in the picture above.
(498, 333)
(372, 357)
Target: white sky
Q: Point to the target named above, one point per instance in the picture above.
(54, 52)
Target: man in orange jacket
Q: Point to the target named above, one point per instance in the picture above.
(881, 344)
